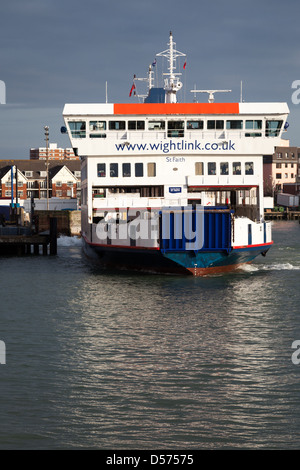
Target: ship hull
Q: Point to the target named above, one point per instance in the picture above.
(180, 263)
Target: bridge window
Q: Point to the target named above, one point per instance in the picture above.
(96, 128)
(273, 128)
(191, 125)
(215, 124)
(156, 125)
(175, 128)
(78, 129)
(234, 124)
(117, 125)
(136, 125)
(253, 124)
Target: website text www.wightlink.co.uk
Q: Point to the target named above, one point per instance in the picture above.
(181, 145)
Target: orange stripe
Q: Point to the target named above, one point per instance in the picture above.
(175, 108)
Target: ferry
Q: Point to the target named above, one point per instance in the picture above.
(174, 187)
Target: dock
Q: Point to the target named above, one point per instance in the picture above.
(20, 241)
(284, 215)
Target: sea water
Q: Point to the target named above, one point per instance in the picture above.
(109, 360)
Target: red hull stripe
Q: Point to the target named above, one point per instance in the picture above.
(175, 108)
(261, 245)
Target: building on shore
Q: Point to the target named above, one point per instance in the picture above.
(281, 168)
(54, 153)
(30, 179)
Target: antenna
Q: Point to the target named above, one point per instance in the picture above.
(149, 79)
(241, 98)
(211, 93)
(106, 92)
(172, 83)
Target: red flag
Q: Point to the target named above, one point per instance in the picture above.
(132, 88)
(184, 65)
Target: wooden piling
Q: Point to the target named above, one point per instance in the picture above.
(53, 236)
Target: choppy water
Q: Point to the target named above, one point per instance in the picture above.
(103, 360)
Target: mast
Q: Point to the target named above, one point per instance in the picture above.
(172, 83)
(149, 80)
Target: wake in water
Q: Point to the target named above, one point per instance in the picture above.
(271, 267)
(63, 240)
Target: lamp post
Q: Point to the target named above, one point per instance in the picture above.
(46, 128)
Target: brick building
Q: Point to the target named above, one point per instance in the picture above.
(280, 168)
(54, 153)
(30, 177)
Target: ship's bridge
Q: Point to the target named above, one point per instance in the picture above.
(177, 128)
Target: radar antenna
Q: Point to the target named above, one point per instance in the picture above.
(211, 93)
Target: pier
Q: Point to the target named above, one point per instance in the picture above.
(20, 241)
(285, 215)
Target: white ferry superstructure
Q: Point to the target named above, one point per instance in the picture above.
(174, 187)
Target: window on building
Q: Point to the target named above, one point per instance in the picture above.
(29, 174)
(279, 155)
(224, 168)
(101, 170)
(58, 184)
(139, 169)
(175, 128)
(191, 125)
(114, 170)
(211, 168)
(273, 128)
(151, 169)
(199, 168)
(126, 169)
(156, 125)
(236, 168)
(278, 165)
(278, 176)
(136, 125)
(215, 124)
(78, 129)
(117, 125)
(249, 168)
(286, 175)
(234, 124)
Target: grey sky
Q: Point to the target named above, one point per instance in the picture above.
(58, 51)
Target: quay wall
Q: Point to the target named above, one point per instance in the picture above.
(68, 222)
